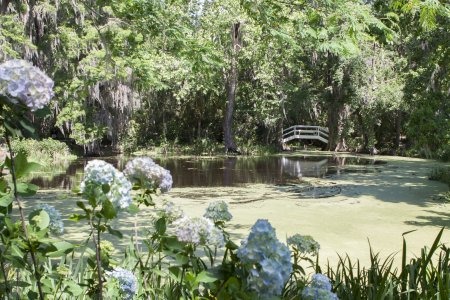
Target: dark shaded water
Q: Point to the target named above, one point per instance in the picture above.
(232, 171)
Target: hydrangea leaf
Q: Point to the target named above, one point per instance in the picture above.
(62, 248)
(26, 189)
(160, 226)
(6, 200)
(73, 288)
(114, 232)
(39, 218)
(21, 165)
(206, 277)
(181, 259)
(108, 210)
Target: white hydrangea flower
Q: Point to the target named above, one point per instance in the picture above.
(304, 244)
(98, 173)
(198, 231)
(172, 212)
(218, 211)
(21, 80)
(145, 171)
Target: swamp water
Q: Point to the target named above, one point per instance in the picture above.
(366, 199)
(222, 172)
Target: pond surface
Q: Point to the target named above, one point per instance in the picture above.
(231, 171)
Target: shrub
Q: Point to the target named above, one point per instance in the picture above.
(45, 151)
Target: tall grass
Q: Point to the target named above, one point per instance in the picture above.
(424, 277)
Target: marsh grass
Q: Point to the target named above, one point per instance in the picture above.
(424, 277)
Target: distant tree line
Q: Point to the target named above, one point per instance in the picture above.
(133, 73)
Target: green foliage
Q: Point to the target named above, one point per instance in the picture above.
(134, 74)
(441, 174)
(46, 151)
(423, 277)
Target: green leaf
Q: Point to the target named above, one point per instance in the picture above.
(108, 210)
(16, 251)
(77, 217)
(106, 188)
(81, 205)
(175, 273)
(114, 232)
(9, 224)
(21, 165)
(26, 189)
(13, 131)
(62, 248)
(39, 218)
(160, 226)
(181, 259)
(133, 209)
(172, 243)
(3, 185)
(206, 277)
(27, 126)
(32, 295)
(19, 283)
(6, 200)
(73, 288)
(231, 245)
(43, 112)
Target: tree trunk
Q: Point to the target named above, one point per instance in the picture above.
(342, 116)
(231, 83)
(4, 6)
(398, 128)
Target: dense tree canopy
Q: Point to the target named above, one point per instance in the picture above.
(135, 73)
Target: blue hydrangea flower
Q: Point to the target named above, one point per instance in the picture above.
(98, 173)
(218, 211)
(145, 171)
(319, 289)
(304, 244)
(56, 225)
(267, 260)
(127, 282)
(321, 281)
(312, 293)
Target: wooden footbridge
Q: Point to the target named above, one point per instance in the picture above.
(305, 132)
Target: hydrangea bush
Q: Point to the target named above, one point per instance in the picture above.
(23, 88)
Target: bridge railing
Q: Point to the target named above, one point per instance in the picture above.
(305, 132)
